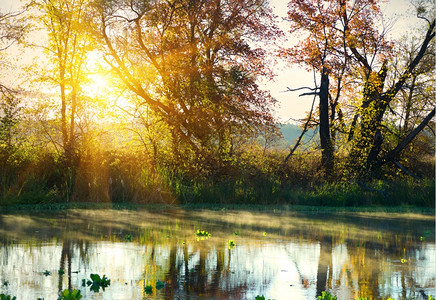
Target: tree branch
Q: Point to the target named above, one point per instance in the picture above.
(391, 154)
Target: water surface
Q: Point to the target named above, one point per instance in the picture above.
(281, 255)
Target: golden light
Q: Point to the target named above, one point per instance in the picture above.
(97, 85)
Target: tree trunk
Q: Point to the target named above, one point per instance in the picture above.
(324, 126)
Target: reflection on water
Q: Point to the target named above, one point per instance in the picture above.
(279, 255)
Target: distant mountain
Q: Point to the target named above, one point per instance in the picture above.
(291, 132)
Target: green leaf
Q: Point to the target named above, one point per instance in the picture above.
(95, 278)
(160, 285)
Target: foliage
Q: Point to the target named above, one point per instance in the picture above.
(70, 295)
(343, 37)
(181, 118)
(326, 296)
(7, 297)
(160, 285)
(231, 244)
(97, 282)
(210, 78)
(148, 289)
(202, 233)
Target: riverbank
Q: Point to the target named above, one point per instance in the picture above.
(402, 209)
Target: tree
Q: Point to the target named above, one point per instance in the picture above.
(194, 64)
(68, 46)
(343, 36)
(12, 31)
(64, 24)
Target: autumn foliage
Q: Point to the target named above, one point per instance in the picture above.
(160, 101)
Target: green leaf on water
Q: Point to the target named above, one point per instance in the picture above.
(160, 285)
(148, 289)
(231, 244)
(70, 295)
(326, 296)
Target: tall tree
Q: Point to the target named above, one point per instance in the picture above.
(62, 26)
(65, 22)
(344, 36)
(194, 64)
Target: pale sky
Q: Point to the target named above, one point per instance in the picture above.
(291, 106)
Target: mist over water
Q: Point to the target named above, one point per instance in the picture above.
(274, 254)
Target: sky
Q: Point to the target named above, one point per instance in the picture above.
(290, 106)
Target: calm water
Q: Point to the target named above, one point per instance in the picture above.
(280, 255)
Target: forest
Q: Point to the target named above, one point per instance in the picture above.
(159, 101)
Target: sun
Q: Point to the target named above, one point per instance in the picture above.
(97, 85)
(98, 79)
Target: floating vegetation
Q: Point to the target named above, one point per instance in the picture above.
(46, 273)
(403, 260)
(97, 282)
(235, 233)
(231, 244)
(128, 238)
(202, 234)
(260, 297)
(148, 289)
(326, 296)
(70, 295)
(61, 272)
(264, 233)
(7, 297)
(160, 285)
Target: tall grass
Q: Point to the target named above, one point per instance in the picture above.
(115, 176)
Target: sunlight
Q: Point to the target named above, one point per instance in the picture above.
(98, 84)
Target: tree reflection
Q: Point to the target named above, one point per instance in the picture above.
(324, 275)
(349, 264)
(65, 264)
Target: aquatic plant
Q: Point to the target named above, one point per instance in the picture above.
(46, 273)
(260, 297)
(160, 285)
(403, 260)
(97, 282)
(148, 289)
(128, 238)
(201, 233)
(7, 297)
(231, 244)
(61, 272)
(326, 296)
(70, 295)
